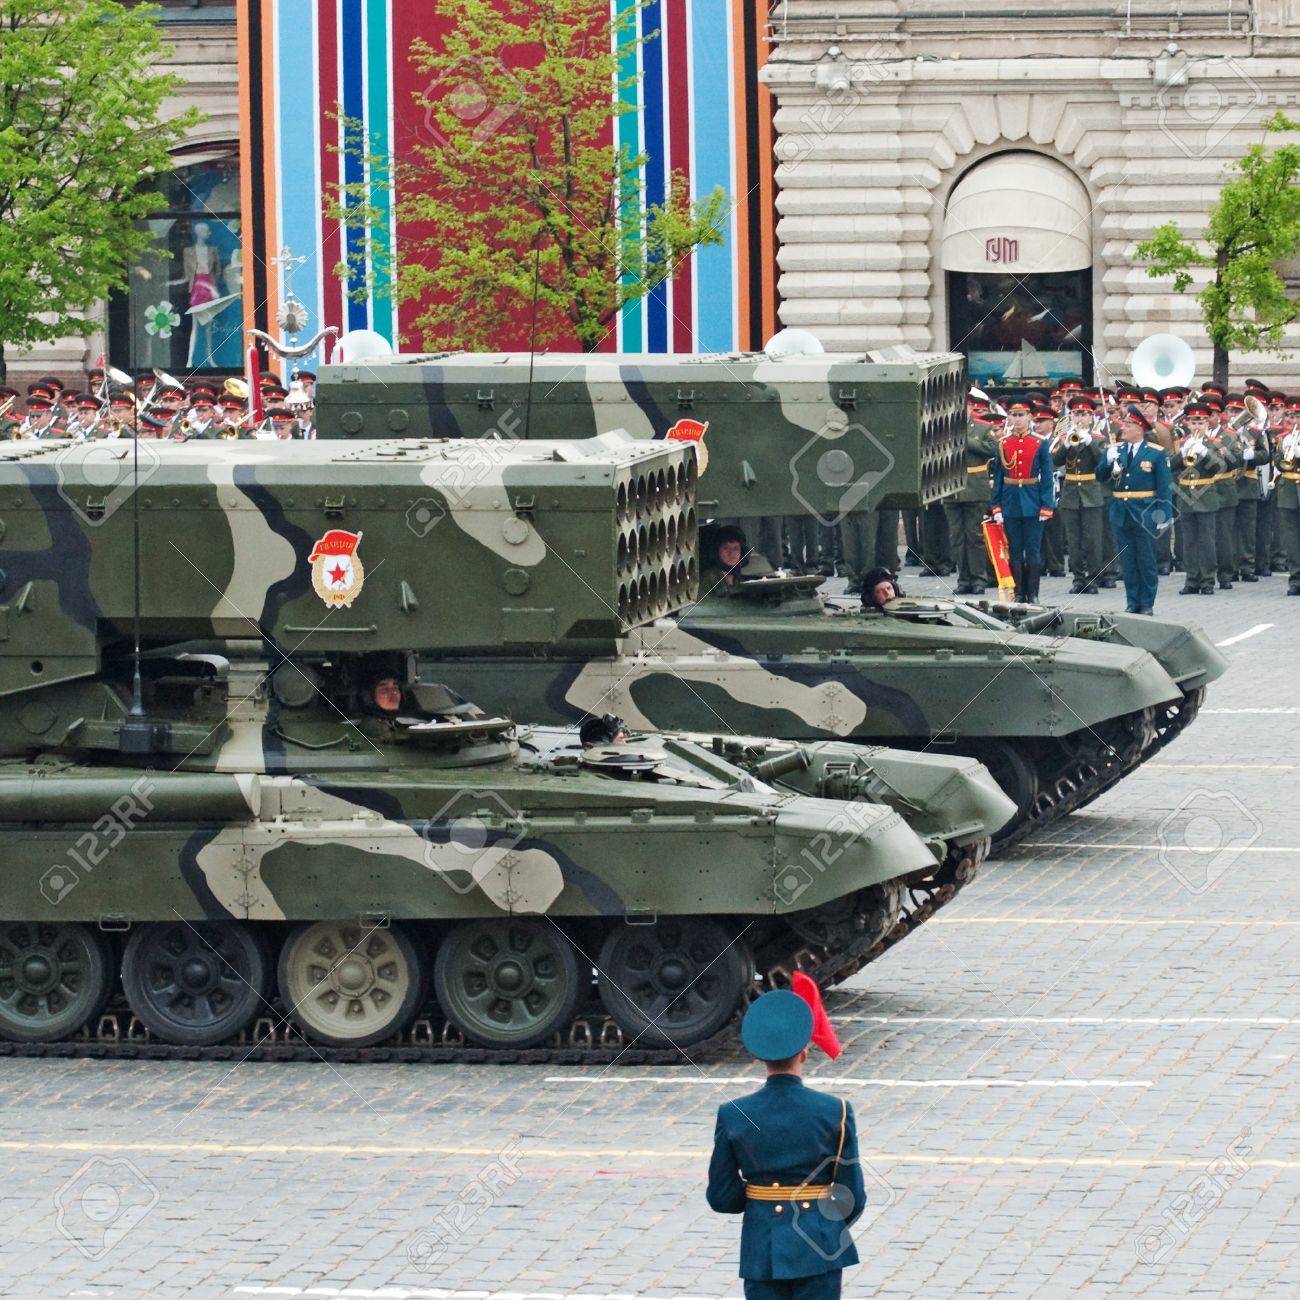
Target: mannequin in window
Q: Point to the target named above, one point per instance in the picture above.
(202, 265)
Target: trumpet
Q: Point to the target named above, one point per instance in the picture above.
(1194, 450)
(1291, 446)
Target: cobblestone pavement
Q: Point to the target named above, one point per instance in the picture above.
(1081, 1079)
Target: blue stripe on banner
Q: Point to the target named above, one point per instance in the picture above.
(715, 293)
(351, 44)
(298, 191)
(652, 117)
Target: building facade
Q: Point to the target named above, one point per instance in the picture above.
(976, 177)
(198, 225)
(698, 111)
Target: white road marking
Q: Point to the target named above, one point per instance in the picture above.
(1242, 636)
(438, 1293)
(1033, 1021)
(730, 1081)
(1280, 709)
(1166, 848)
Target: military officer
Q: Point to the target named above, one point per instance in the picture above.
(786, 1157)
(38, 419)
(1286, 459)
(120, 421)
(1080, 505)
(200, 421)
(84, 420)
(1141, 506)
(1045, 417)
(1196, 464)
(1254, 455)
(966, 509)
(10, 420)
(1266, 516)
(1228, 443)
(1023, 497)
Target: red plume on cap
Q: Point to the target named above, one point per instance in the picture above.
(823, 1033)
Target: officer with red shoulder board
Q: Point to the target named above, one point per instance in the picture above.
(786, 1157)
(1141, 506)
(1024, 497)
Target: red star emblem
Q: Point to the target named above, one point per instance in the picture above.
(337, 574)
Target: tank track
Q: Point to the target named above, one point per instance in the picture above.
(590, 1040)
(1113, 752)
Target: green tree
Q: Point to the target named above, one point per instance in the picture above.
(514, 187)
(1254, 224)
(80, 126)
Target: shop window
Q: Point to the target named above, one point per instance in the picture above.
(181, 310)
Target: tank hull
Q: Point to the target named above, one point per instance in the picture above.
(1059, 709)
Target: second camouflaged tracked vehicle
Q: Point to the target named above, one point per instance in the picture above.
(263, 835)
(1059, 705)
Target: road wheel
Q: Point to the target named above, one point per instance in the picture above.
(675, 982)
(1016, 778)
(349, 984)
(54, 978)
(196, 984)
(507, 982)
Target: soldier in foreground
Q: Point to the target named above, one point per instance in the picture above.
(1024, 497)
(786, 1157)
(1141, 508)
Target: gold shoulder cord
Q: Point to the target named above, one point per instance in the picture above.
(839, 1150)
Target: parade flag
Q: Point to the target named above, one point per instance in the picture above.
(995, 541)
(823, 1033)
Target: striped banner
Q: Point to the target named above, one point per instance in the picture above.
(699, 112)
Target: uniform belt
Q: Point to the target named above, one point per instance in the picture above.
(1196, 482)
(1080, 478)
(1292, 475)
(788, 1192)
(1232, 473)
(1022, 482)
(978, 469)
(1250, 473)
(1128, 496)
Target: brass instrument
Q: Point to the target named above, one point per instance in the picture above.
(1291, 447)
(1255, 413)
(1194, 450)
(235, 387)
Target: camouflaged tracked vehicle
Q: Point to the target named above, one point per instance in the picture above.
(261, 823)
(1058, 705)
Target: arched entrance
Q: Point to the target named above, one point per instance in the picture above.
(1017, 253)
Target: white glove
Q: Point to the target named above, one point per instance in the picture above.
(1112, 454)
(1248, 453)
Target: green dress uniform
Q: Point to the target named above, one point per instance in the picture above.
(936, 542)
(1081, 506)
(1286, 460)
(1196, 493)
(786, 1158)
(1228, 445)
(966, 511)
(1254, 453)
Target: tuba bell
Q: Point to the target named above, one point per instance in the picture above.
(1163, 361)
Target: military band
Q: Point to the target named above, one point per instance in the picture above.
(159, 407)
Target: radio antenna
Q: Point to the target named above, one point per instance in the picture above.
(135, 735)
(532, 333)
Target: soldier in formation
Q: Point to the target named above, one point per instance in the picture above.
(157, 407)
